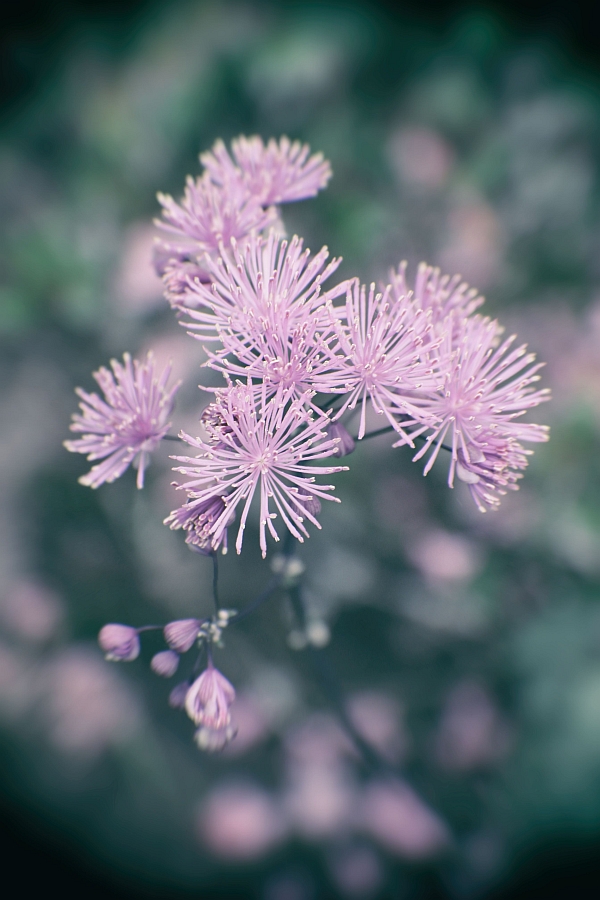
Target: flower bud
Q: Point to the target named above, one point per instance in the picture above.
(208, 700)
(181, 634)
(165, 663)
(119, 642)
(311, 504)
(346, 441)
(177, 695)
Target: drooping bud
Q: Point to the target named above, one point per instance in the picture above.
(119, 642)
(208, 700)
(346, 441)
(165, 663)
(178, 694)
(181, 634)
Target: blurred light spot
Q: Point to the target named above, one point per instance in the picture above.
(87, 707)
(442, 556)
(31, 611)
(402, 823)
(471, 731)
(137, 287)
(357, 871)
(378, 719)
(420, 156)
(240, 821)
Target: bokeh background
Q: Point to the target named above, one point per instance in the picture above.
(467, 646)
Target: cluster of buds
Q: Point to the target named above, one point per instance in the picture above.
(206, 699)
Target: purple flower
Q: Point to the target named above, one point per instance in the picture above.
(264, 303)
(441, 294)
(213, 214)
(214, 739)
(165, 663)
(178, 695)
(120, 643)
(378, 355)
(266, 446)
(197, 518)
(346, 442)
(128, 423)
(208, 700)
(486, 389)
(276, 173)
(181, 634)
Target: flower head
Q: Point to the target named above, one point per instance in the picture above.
(441, 294)
(259, 296)
(377, 354)
(486, 389)
(197, 518)
(213, 214)
(276, 173)
(120, 643)
(208, 699)
(267, 445)
(128, 423)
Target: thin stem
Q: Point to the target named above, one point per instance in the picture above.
(198, 663)
(215, 584)
(332, 690)
(372, 434)
(268, 591)
(274, 583)
(173, 437)
(149, 628)
(389, 428)
(331, 398)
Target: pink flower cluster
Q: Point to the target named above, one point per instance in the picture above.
(301, 356)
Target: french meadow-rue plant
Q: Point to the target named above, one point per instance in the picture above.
(300, 356)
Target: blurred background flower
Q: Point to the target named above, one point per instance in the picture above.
(468, 646)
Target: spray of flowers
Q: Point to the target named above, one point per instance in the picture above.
(301, 357)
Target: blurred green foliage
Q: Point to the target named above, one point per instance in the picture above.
(471, 148)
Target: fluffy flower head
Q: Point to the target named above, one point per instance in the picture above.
(378, 353)
(213, 214)
(260, 445)
(279, 172)
(442, 295)
(130, 421)
(486, 389)
(259, 295)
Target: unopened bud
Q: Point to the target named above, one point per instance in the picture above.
(181, 634)
(119, 642)
(346, 441)
(165, 663)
